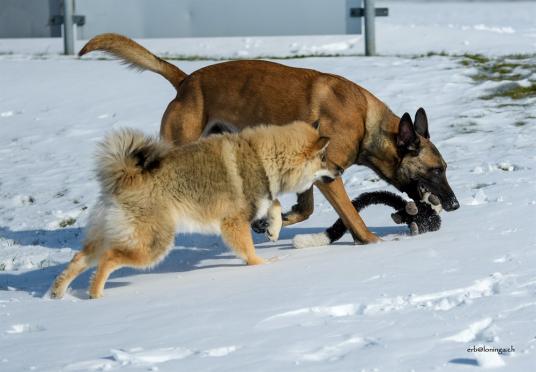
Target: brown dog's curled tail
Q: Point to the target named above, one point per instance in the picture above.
(134, 55)
(126, 157)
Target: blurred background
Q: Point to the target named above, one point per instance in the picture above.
(254, 28)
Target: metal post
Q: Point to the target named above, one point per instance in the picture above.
(370, 34)
(68, 31)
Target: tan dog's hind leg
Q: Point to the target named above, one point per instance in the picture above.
(114, 259)
(301, 211)
(236, 233)
(275, 221)
(79, 263)
(338, 198)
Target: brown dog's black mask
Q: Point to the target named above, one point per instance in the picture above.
(422, 168)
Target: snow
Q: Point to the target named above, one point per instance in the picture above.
(409, 303)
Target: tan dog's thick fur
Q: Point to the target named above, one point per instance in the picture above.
(362, 129)
(217, 185)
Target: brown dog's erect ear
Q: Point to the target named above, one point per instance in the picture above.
(421, 123)
(406, 138)
(319, 145)
(316, 125)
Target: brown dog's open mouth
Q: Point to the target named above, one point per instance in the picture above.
(422, 192)
(426, 196)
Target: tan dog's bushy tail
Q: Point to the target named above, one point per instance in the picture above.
(126, 156)
(134, 55)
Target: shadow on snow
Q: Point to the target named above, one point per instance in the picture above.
(188, 254)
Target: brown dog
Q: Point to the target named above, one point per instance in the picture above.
(361, 128)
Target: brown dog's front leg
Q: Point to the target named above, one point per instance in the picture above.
(338, 198)
(301, 210)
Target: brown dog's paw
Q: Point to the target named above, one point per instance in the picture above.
(371, 239)
(291, 217)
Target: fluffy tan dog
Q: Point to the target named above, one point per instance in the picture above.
(217, 185)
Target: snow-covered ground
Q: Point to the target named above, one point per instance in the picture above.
(409, 303)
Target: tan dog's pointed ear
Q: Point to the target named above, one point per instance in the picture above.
(320, 145)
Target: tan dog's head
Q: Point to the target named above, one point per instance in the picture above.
(422, 169)
(306, 160)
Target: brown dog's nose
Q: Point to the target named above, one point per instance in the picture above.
(452, 204)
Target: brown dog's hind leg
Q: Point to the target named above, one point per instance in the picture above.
(338, 198)
(236, 233)
(183, 121)
(301, 210)
(79, 263)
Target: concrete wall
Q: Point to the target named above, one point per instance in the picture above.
(191, 18)
(28, 18)
(184, 18)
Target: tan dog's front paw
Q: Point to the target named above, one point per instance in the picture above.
(272, 232)
(275, 222)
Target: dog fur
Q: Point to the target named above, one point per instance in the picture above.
(361, 128)
(217, 185)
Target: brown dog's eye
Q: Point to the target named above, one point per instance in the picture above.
(437, 171)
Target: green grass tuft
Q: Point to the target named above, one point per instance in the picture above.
(515, 92)
(67, 222)
(476, 58)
